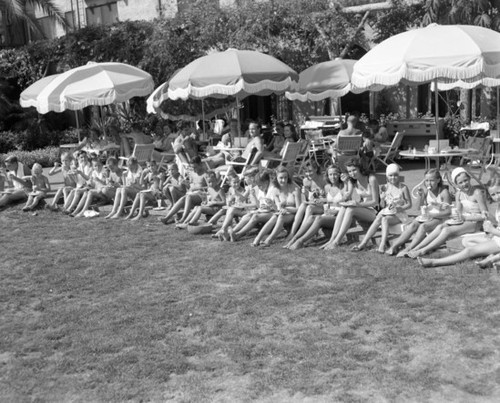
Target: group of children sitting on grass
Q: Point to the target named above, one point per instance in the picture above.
(272, 201)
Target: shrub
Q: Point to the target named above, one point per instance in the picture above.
(44, 156)
(8, 142)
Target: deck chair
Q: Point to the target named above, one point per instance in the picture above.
(387, 156)
(230, 166)
(302, 156)
(345, 148)
(143, 153)
(288, 156)
(479, 155)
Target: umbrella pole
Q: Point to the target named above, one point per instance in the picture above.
(238, 117)
(203, 119)
(77, 125)
(498, 111)
(436, 117)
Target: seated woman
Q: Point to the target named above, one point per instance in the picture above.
(481, 245)
(64, 167)
(471, 210)
(238, 202)
(287, 199)
(336, 191)
(151, 181)
(395, 200)
(260, 194)
(313, 185)
(435, 199)
(131, 186)
(94, 191)
(212, 203)
(196, 185)
(363, 204)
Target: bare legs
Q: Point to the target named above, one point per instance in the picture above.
(304, 218)
(247, 225)
(275, 225)
(187, 202)
(419, 229)
(140, 200)
(344, 221)
(440, 235)
(384, 222)
(322, 221)
(33, 200)
(471, 252)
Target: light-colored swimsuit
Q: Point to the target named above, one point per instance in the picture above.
(396, 197)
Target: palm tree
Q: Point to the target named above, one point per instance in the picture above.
(18, 12)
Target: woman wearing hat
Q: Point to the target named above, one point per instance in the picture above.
(471, 211)
(395, 197)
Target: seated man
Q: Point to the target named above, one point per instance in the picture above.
(16, 189)
(351, 130)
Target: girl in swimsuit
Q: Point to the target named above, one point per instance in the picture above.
(336, 191)
(287, 200)
(313, 186)
(471, 208)
(479, 245)
(396, 198)
(437, 199)
(364, 199)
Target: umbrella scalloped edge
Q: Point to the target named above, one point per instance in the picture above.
(311, 96)
(240, 88)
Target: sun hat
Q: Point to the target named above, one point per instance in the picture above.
(456, 172)
(392, 169)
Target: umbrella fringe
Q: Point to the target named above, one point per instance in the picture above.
(241, 88)
(311, 96)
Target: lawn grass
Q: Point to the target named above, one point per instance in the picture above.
(93, 310)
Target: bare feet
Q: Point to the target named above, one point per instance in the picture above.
(483, 264)
(403, 253)
(329, 246)
(424, 262)
(136, 218)
(415, 253)
(232, 236)
(390, 251)
(110, 214)
(116, 216)
(296, 245)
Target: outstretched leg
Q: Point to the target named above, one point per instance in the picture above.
(482, 249)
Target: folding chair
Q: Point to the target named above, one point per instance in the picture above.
(479, 155)
(143, 153)
(387, 156)
(346, 147)
(288, 155)
(302, 156)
